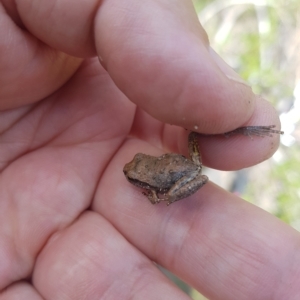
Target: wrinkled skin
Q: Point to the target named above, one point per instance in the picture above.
(71, 226)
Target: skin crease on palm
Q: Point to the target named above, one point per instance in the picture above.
(71, 226)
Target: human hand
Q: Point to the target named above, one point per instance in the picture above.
(70, 222)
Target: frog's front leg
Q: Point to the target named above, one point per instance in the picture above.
(185, 187)
(152, 196)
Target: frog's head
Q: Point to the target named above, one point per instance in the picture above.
(133, 169)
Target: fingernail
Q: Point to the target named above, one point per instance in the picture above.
(102, 62)
(237, 79)
(226, 69)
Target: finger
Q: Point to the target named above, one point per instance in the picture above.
(156, 52)
(30, 70)
(41, 193)
(50, 164)
(216, 242)
(167, 67)
(67, 27)
(239, 151)
(217, 151)
(91, 260)
(20, 290)
(81, 111)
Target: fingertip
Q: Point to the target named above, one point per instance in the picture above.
(239, 151)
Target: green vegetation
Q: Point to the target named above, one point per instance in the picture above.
(261, 41)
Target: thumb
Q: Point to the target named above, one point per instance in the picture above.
(156, 52)
(159, 56)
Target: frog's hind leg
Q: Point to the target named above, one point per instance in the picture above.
(153, 197)
(194, 149)
(182, 190)
(251, 131)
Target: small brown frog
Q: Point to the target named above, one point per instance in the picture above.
(173, 175)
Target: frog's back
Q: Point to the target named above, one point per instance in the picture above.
(169, 168)
(158, 173)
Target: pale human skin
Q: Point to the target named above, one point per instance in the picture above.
(70, 228)
(171, 177)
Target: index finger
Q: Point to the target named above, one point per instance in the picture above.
(218, 243)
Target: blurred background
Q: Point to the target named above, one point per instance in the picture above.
(260, 39)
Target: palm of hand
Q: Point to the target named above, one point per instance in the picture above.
(70, 224)
(50, 181)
